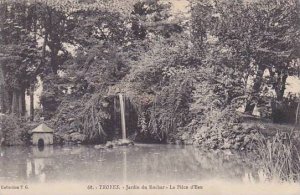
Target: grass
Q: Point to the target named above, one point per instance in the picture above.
(279, 157)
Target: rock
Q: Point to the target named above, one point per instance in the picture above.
(77, 137)
(125, 142)
(99, 147)
(109, 144)
(66, 137)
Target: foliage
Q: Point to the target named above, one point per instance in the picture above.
(279, 157)
(182, 76)
(105, 58)
(259, 35)
(98, 64)
(170, 108)
(159, 86)
(89, 118)
(13, 131)
(151, 18)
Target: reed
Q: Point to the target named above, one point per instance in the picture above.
(279, 158)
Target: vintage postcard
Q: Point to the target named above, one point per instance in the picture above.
(124, 97)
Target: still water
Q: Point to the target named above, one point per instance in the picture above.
(78, 170)
(139, 163)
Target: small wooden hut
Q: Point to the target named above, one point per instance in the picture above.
(42, 135)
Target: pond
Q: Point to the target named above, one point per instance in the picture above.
(139, 164)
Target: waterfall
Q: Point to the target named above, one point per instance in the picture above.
(122, 108)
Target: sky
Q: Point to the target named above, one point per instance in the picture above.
(180, 5)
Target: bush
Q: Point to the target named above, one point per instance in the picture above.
(13, 130)
(170, 108)
(90, 116)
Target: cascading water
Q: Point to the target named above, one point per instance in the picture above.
(122, 109)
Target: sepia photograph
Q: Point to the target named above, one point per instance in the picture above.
(158, 97)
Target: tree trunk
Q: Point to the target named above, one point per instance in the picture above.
(23, 102)
(4, 103)
(20, 105)
(280, 88)
(15, 103)
(54, 62)
(4, 98)
(255, 90)
(18, 102)
(31, 102)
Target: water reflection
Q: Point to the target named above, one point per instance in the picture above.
(141, 163)
(124, 161)
(39, 159)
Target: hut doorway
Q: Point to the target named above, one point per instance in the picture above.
(41, 144)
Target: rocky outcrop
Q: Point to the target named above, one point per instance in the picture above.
(238, 137)
(241, 137)
(70, 137)
(115, 143)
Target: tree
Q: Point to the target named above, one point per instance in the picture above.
(261, 34)
(19, 49)
(278, 43)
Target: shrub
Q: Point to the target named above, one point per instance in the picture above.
(13, 130)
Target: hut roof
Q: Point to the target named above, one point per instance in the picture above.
(42, 128)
